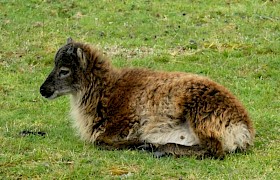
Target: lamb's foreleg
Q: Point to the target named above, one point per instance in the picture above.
(117, 143)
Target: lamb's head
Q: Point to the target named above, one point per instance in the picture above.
(66, 76)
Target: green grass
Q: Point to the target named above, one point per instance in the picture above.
(236, 43)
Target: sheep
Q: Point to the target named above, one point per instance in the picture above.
(168, 113)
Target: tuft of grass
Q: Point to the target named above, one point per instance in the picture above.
(236, 43)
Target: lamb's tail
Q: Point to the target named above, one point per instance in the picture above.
(237, 136)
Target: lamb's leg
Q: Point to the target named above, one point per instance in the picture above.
(151, 148)
(110, 144)
(181, 150)
(214, 147)
(174, 149)
(208, 129)
(209, 147)
(147, 147)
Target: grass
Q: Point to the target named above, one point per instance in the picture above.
(236, 43)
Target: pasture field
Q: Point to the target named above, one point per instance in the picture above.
(236, 43)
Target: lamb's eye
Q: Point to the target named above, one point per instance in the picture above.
(64, 72)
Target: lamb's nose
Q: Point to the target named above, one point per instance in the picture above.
(45, 92)
(42, 91)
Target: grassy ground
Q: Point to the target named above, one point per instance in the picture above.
(234, 42)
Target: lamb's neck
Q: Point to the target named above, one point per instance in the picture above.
(92, 99)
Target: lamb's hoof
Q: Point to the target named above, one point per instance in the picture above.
(145, 147)
(220, 157)
(159, 154)
(216, 156)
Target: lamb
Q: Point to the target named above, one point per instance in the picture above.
(168, 113)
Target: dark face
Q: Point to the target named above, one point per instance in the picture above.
(63, 78)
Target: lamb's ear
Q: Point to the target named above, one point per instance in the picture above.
(82, 57)
(71, 50)
(69, 40)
